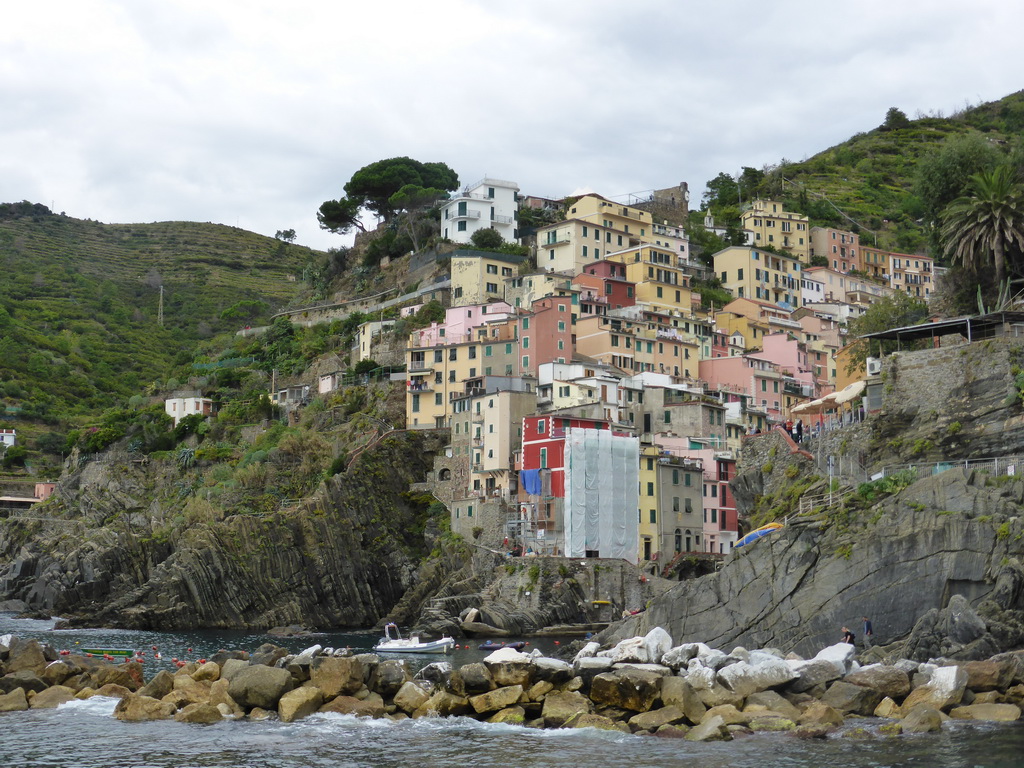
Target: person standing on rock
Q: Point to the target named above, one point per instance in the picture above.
(868, 632)
(848, 636)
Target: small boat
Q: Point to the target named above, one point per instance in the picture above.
(490, 645)
(399, 644)
(757, 533)
(120, 652)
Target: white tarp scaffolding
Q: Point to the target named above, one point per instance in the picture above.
(601, 487)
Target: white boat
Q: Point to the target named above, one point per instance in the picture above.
(399, 644)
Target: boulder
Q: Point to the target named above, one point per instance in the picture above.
(388, 677)
(539, 690)
(349, 705)
(27, 655)
(220, 657)
(994, 712)
(626, 689)
(509, 667)
(808, 732)
(769, 723)
(654, 719)
(120, 674)
(499, 698)
(337, 676)
(658, 642)
(841, 655)
(770, 701)
(677, 658)
(210, 671)
(672, 731)
(888, 708)
(744, 679)
(232, 667)
(202, 713)
(728, 714)
(559, 707)
(989, 675)
(945, 689)
(110, 690)
(847, 697)
(161, 684)
(14, 701)
(677, 692)
(632, 649)
(710, 729)
(443, 704)
(922, 719)
(474, 678)
(819, 713)
(589, 720)
(24, 678)
(260, 686)
(590, 667)
(587, 651)
(554, 671)
(813, 673)
(888, 681)
(299, 703)
(513, 715)
(438, 673)
(137, 709)
(411, 697)
(268, 654)
(55, 673)
(258, 713)
(221, 698)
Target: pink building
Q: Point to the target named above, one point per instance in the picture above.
(753, 375)
(459, 323)
(545, 333)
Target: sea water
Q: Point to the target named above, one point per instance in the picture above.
(85, 734)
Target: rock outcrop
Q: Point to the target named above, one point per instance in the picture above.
(937, 565)
(343, 559)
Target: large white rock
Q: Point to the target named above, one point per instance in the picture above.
(699, 677)
(840, 654)
(658, 643)
(588, 650)
(680, 656)
(507, 654)
(631, 649)
(745, 679)
(306, 656)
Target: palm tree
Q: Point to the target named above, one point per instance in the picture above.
(980, 228)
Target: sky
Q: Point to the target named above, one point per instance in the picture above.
(252, 113)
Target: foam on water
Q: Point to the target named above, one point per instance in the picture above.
(96, 706)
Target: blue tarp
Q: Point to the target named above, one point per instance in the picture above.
(530, 479)
(755, 535)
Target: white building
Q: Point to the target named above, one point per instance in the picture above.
(180, 407)
(8, 437)
(490, 203)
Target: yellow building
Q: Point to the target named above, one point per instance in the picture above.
(479, 276)
(660, 284)
(634, 345)
(593, 228)
(778, 228)
(671, 513)
(749, 273)
(436, 375)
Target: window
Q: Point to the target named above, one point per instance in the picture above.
(492, 287)
(561, 325)
(687, 479)
(492, 269)
(668, 417)
(526, 323)
(472, 353)
(650, 489)
(438, 400)
(526, 342)
(487, 351)
(526, 361)
(675, 503)
(415, 403)
(654, 516)
(688, 505)
(462, 226)
(543, 458)
(438, 355)
(584, 251)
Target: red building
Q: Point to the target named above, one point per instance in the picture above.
(604, 286)
(545, 333)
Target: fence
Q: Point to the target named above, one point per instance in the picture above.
(1002, 465)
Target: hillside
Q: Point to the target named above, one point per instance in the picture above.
(80, 303)
(870, 177)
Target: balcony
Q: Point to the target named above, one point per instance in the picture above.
(420, 386)
(456, 215)
(420, 364)
(499, 219)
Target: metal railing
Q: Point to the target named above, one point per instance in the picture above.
(1001, 465)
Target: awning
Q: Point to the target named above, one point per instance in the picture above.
(848, 393)
(815, 406)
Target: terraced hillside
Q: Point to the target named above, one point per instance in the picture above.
(80, 303)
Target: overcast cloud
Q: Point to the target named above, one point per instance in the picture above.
(252, 113)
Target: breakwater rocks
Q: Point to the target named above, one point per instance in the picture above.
(642, 685)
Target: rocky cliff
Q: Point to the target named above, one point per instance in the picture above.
(936, 566)
(343, 558)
